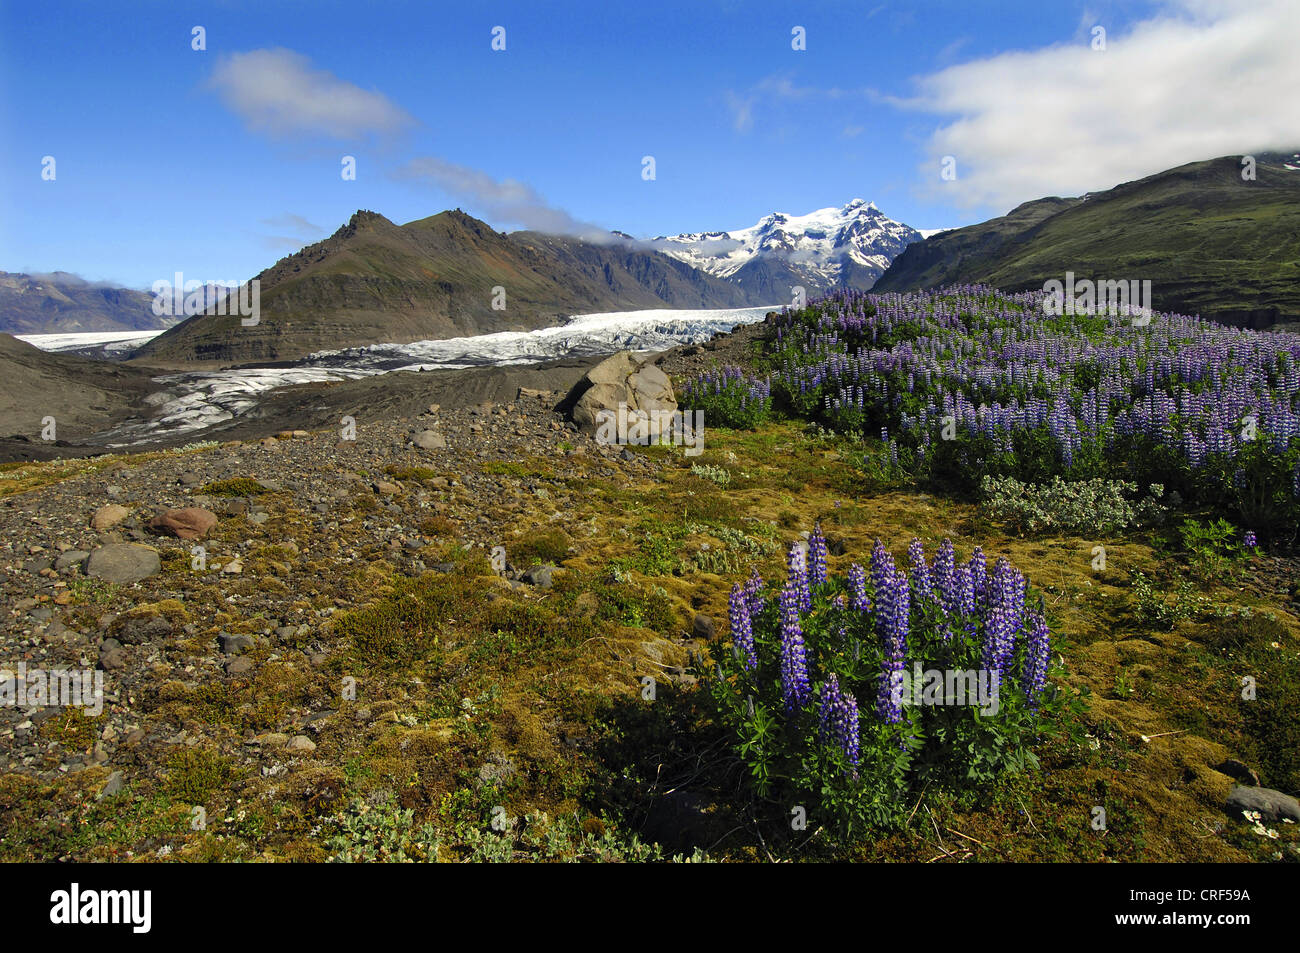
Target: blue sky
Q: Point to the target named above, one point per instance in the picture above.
(218, 162)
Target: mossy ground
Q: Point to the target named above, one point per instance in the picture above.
(476, 701)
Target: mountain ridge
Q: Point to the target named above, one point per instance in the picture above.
(373, 282)
(64, 302)
(1210, 242)
(850, 246)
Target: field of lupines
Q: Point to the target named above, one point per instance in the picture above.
(967, 382)
(848, 693)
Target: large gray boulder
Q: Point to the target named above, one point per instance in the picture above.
(622, 379)
(123, 563)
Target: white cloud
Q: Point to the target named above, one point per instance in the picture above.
(773, 89)
(295, 223)
(1203, 78)
(278, 92)
(304, 232)
(506, 200)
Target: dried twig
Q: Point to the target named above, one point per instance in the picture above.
(918, 802)
(1030, 816)
(968, 837)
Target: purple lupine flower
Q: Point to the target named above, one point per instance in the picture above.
(997, 643)
(944, 570)
(858, 588)
(882, 568)
(742, 632)
(1004, 608)
(754, 594)
(797, 567)
(1038, 652)
(838, 715)
(922, 587)
(1250, 540)
(1006, 588)
(817, 554)
(964, 589)
(795, 689)
(893, 607)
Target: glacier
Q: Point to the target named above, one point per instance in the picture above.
(192, 401)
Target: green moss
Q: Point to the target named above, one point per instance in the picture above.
(412, 473)
(1269, 721)
(512, 468)
(72, 728)
(537, 547)
(240, 486)
(194, 774)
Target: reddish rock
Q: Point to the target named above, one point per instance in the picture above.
(191, 522)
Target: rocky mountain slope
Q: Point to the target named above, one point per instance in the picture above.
(375, 282)
(1210, 242)
(831, 247)
(82, 396)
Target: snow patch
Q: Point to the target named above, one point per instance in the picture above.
(818, 243)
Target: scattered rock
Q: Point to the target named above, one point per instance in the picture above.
(113, 785)
(540, 576)
(300, 743)
(138, 629)
(703, 627)
(108, 516)
(1271, 805)
(111, 655)
(190, 522)
(123, 563)
(234, 644)
(69, 559)
(430, 440)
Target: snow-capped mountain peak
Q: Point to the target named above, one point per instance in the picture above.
(852, 245)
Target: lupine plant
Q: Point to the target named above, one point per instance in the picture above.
(821, 691)
(729, 398)
(967, 382)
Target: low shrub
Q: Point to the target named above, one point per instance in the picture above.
(1094, 506)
